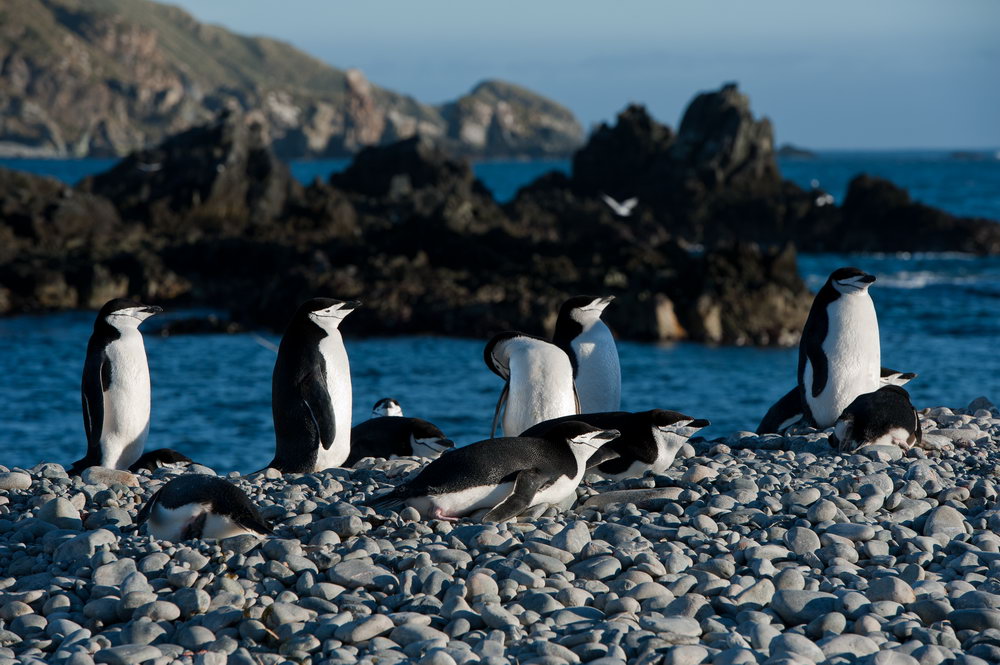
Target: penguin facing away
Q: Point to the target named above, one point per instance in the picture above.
(311, 390)
(839, 353)
(201, 506)
(581, 333)
(649, 440)
(787, 411)
(387, 406)
(395, 436)
(538, 381)
(115, 389)
(883, 417)
(507, 475)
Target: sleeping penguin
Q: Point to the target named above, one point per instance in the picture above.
(884, 417)
(787, 411)
(201, 506)
(395, 436)
(507, 475)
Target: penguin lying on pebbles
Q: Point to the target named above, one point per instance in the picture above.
(538, 381)
(884, 417)
(507, 475)
(787, 411)
(395, 436)
(154, 459)
(200, 506)
(582, 334)
(649, 440)
(387, 406)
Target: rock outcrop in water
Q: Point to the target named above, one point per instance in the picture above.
(210, 217)
(716, 182)
(110, 77)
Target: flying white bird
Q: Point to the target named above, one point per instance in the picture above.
(623, 209)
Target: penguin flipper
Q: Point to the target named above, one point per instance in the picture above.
(96, 380)
(316, 398)
(147, 509)
(605, 454)
(777, 417)
(526, 486)
(500, 403)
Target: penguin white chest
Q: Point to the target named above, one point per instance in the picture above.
(598, 376)
(541, 388)
(338, 385)
(126, 402)
(853, 357)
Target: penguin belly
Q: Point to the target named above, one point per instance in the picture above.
(853, 357)
(338, 385)
(539, 391)
(459, 503)
(599, 374)
(561, 488)
(126, 402)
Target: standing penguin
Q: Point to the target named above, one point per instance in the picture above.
(311, 390)
(649, 441)
(839, 354)
(507, 475)
(884, 417)
(787, 411)
(538, 381)
(115, 388)
(387, 406)
(200, 506)
(582, 334)
(396, 436)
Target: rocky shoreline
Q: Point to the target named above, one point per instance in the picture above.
(749, 550)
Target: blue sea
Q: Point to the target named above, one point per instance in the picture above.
(939, 315)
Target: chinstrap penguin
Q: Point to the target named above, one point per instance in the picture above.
(538, 381)
(311, 390)
(839, 354)
(154, 459)
(115, 389)
(387, 406)
(649, 440)
(507, 475)
(395, 436)
(884, 417)
(201, 506)
(581, 333)
(787, 411)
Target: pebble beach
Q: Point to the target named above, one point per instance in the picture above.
(749, 549)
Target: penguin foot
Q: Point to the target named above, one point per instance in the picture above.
(439, 514)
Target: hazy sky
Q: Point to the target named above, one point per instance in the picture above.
(844, 74)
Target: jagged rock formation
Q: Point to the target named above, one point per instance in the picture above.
(107, 77)
(211, 217)
(716, 182)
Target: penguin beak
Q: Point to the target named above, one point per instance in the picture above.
(349, 305)
(699, 423)
(867, 279)
(152, 309)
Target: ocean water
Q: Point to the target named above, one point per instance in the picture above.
(963, 187)
(939, 316)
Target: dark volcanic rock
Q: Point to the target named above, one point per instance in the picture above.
(218, 179)
(721, 141)
(878, 216)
